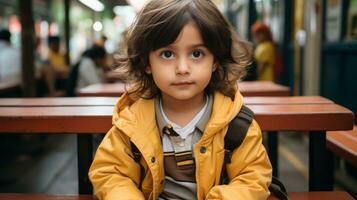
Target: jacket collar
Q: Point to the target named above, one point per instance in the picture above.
(136, 118)
(201, 124)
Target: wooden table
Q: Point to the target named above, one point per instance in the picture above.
(272, 136)
(111, 101)
(338, 195)
(344, 144)
(286, 100)
(106, 89)
(58, 101)
(270, 118)
(249, 88)
(89, 118)
(262, 88)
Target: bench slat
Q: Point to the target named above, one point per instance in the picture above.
(87, 119)
(58, 101)
(317, 117)
(286, 100)
(110, 101)
(340, 195)
(18, 196)
(109, 90)
(249, 88)
(263, 88)
(344, 144)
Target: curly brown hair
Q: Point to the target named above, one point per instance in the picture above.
(158, 25)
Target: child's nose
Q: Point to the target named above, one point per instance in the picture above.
(182, 66)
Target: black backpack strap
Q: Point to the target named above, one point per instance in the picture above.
(137, 157)
(277, 189)
(237, 130)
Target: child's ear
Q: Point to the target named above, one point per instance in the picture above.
(148, 70)
(215, 65)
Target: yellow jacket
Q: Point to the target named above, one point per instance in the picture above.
(115, 175)
(265, 54)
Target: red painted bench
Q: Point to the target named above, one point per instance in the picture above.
(58, 101)
(343, 144)
(50, 117)
(253, 88)
(106, 89)
(295, 117)
(110, 101)
(286, 100)
(262, 88)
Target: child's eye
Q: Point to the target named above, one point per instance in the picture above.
(167, 54)
(197, 54)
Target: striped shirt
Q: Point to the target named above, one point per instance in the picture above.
(180, 181)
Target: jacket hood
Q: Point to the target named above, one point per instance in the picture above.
(137, 117)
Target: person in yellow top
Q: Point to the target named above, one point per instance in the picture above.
(264, 53)
(56, 58)
(182, 60)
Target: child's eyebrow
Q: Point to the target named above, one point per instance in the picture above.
(198, 45)
(191, 46)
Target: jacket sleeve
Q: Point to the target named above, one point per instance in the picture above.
(113, 173)
(250, 170)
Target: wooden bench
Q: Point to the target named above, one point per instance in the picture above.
(58, 101)
(107, 89)
(272, 136)
(343, 144)
(286, 100)
(54, 118)
(292, 195)
(111, 101)
(262, 88)
(253, 88)
(248, 89)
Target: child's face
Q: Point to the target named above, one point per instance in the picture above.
(183, 69)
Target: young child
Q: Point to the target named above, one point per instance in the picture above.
(183, 60)
(264, 53)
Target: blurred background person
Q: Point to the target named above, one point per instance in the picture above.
(57, 58)
(264, 53)
(10, 59)
(45, 75)
(101, 41)
(91, 67)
